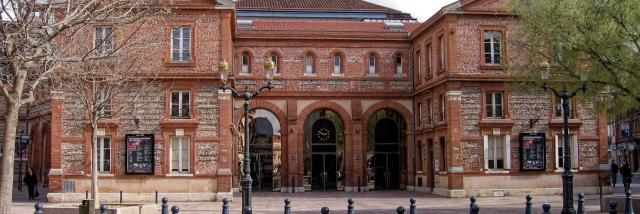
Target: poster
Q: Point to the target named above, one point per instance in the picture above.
(140, 154)
(533, 154)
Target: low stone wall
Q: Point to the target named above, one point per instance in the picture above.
(140, 197)
(113, 209)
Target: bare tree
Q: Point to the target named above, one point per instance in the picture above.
(38, 38)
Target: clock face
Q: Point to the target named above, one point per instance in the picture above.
(323, 134)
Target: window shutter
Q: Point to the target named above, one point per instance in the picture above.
(486, 151)
(507, 151)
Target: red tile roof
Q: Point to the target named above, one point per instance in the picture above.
(313, 5)
(324, 26)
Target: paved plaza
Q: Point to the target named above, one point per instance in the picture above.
(375, 202)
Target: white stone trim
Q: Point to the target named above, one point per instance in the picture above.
(454, 95)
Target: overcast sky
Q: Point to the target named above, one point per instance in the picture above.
(421, 9)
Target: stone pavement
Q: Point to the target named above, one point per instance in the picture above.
(381, 202)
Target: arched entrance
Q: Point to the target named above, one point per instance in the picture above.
(386, 146)
(265, 148)
(323, 151)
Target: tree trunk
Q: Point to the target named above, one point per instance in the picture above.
(94, 164)
(8, 147)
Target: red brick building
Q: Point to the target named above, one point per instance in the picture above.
(365, 99)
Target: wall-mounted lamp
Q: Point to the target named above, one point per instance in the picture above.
(136, 122)
(292, 130)
(357, 129)
(532, 122)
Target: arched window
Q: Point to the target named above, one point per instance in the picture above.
(246, 65)
(275, 58)
(310, 59)
(372, 64)
(399, 64)
(337, 64)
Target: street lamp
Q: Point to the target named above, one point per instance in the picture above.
(246, 180)
(564, 95)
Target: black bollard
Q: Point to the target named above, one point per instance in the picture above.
(86, 194)
(39, 209)
(628, 207)
(400, 210)
(225, 206)
(324, 210)
(529, 205)
(121, 197)
(248, 210)
(350, 207)
(103, 209)
(580, 203)
(546, 208)
(473, 207)
(613, 207)
(412, 206)
(175, 210)
(156, 196)
(287, 206)
(165, 206)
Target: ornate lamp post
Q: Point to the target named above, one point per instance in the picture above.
(564, 95)
(246, 180)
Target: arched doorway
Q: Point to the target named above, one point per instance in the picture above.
(323, 151)
(265, 148)
(386, 146)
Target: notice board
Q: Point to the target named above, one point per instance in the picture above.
(533, 154)
(140, 154)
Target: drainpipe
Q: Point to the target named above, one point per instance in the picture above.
(413, 106)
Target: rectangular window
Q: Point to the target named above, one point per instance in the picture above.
(419, 115)
(419, 66)
(494, 105)
(492, 47)
(430, 109)
(419, 158)
(398, 64)
(573, 151)
(309, 67)
(180, 155)
(443, 54)
(103, 41)
(337, 64)
(443, 107)
(245, 63)
(429, 60)
(443, 154)
(181, 44)
(180, 105)
(559, 110)
(495, 152)
(372, 64)
(104, 104)
(104, 155)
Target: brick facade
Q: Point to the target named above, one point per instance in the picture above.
(451, 136)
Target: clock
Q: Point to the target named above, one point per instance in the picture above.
(323, 134)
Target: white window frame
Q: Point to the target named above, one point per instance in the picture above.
(430, 59)
(373, 60)
(506, 151)
(574, 153)
(181, 155)
(431, 120)
(102, 150)
(103, 39)
(185, 54)
(105, 110)
(492, 38)
(399, 65)
(443, 108)
(558, 107)
(337, 64)
(245, 63)
(491, 102)
(180, 105)
(309, 61)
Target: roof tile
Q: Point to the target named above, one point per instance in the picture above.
(324, 26)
